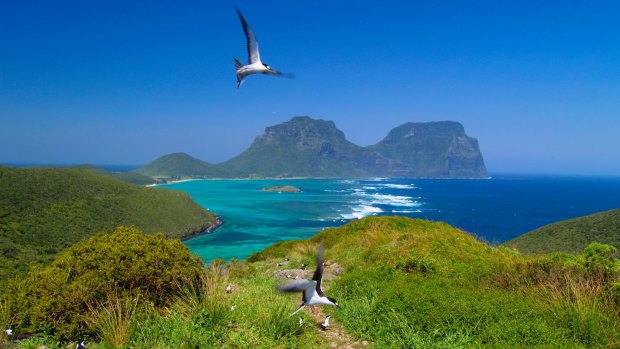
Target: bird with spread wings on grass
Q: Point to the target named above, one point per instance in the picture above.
(312, 293)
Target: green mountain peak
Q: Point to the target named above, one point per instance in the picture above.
(307, 147)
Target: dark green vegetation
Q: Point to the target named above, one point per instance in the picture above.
(283, 188)
(124, 263)
(572, 235)
(45, 210)
(305, 147)
(405, 284)
(129, 177)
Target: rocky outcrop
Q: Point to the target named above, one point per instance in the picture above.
(433, 149)
(283, 189)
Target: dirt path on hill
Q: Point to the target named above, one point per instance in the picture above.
(336, 335)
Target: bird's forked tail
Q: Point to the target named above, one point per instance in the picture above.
(240, 77)
(237, 64)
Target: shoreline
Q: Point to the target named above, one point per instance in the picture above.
(208, 230)
(174, 182)
(309, 178)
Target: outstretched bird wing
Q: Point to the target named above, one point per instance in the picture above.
(252, 43)
(318, 272)
(305, 286)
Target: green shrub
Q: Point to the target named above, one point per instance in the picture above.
(126, 262)
(600, 258)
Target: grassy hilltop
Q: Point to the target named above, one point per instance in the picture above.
(45, 210)
(571, 235)
(402, 283)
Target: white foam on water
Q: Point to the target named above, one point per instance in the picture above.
(361, 211)
(399, 186)
(406, 211)
(388, 200)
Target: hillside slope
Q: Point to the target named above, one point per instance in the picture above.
(400, 282)
(129, 177)
(178, 166)
(571, 235)
(414, 283)
(45, 210)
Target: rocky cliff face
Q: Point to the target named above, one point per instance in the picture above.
(433, 149)
(305, 147)
(316, 148)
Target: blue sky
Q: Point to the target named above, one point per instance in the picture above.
(536, 82)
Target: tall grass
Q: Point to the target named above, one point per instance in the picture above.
(585, 304)
(114, 319)
(198, 317)
(412, 283)
(580, 299)
(204, 299)
(201, 316)
(276, 323)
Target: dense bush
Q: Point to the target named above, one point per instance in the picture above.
(600, 257)
(124, 262)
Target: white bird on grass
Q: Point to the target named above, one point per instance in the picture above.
(325, 324)
(311, 289)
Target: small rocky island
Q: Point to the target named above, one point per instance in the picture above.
(283, 189)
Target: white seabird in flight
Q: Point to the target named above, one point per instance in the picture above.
(254, 66)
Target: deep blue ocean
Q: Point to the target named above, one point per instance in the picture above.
(495, 210)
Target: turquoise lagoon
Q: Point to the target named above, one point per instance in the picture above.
(495, 210)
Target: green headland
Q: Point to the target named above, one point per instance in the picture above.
(45, 210)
